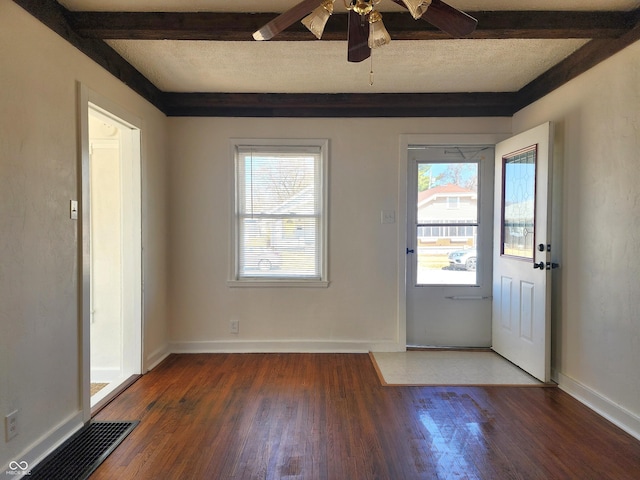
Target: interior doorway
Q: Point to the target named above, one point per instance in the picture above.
(112, 251)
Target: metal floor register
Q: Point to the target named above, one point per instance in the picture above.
(79, 456)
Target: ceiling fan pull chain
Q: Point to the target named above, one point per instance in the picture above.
(371, 70)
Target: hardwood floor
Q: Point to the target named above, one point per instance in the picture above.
(326, 416)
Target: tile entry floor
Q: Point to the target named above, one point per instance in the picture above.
(444, 367)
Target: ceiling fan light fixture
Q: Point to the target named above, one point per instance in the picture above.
(378, 35)
(361, 7)
(417, 7)
(317, 20)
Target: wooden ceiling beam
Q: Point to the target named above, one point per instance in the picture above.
(54, 16)
(350, 105)
(401, 26)
(586, 57)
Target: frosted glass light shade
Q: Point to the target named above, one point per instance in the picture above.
(317, 20)
(417, 7)
(378, 35)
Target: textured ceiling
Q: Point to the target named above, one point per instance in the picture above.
(303, 67)
(404, 66)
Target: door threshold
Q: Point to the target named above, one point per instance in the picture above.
(112, 393)
(435, 348)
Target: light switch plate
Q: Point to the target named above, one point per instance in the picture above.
(388, 216)
(73, 209)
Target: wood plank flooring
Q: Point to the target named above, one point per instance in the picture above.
(326, 416)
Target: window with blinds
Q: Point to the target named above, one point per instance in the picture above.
(280, 211)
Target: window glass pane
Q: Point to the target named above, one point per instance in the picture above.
(275, 183)
(447, 192)
(518, 204)
(282, 247)
(443, 262)
(447, 223)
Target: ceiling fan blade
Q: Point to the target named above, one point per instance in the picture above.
(286, 19)
(448, 19)
(358, 38)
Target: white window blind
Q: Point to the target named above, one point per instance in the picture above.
(279, 214)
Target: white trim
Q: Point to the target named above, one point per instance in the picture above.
(285, 346)
(155, 358)
(616, 414)
(274, 282)
(324, 145)
(89, 99)
(48, 442)
(84, 261)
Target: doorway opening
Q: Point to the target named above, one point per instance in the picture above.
(449, 210)
(112, 251)
(508, 307)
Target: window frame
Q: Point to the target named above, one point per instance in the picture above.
(264, 280)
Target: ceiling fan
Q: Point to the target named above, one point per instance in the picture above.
(365, 30)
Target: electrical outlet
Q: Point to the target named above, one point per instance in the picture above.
(11, 425)
(234, 326)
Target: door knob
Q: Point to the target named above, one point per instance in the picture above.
(539, 265)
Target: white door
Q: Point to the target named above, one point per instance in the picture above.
(449, 236)
(522, 251)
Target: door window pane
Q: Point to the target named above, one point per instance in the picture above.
(518, 204)
(447, 223)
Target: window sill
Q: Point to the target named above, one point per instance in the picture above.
(270, 283)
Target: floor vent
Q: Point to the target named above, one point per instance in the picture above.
(79, 456)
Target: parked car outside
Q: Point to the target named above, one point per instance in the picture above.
(263, 259)
(463, 259)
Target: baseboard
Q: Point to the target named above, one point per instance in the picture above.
(155, 357)
(616, 414)
(283, 346)
(47, 443)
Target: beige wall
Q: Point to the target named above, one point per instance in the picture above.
(39, 342)
(359, 310)
(597, 313)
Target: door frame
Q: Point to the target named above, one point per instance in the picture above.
(406, 140)
(87, 97)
